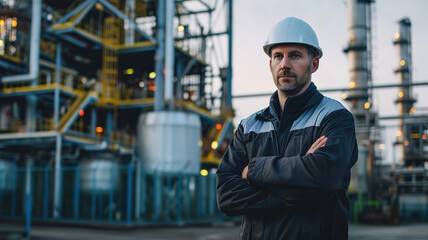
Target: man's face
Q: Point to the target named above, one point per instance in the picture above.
(291, 69)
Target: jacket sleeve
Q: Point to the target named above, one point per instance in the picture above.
(234, 194)
(299, 177)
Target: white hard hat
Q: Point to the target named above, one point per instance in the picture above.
(292, 30)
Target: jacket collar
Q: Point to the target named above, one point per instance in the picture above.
(298, 103)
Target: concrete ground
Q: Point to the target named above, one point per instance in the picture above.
(414, 231)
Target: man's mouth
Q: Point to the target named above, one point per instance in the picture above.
(286, 75)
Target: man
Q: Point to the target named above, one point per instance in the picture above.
(287, 169)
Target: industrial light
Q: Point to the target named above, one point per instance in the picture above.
(141, 84)
(1, 22)
(424, 137)
(14, 22)
(415, 135)
(218, 126)
(1, 42)
(398, 134)
(99, 129)
(81, 112)
(152, 88)
(99, 7)
(400, 94)
(152, 75)
(352, 84)
(382, 146)
(204, 172)
(214, 145)
(129, 71)
(406, 143)
(186, 95)
(402, 63)
(397, 36)
(412, 110)
(344, 95)
(367, 105)
(180, 28)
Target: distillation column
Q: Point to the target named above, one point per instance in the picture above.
(358, 51)
(405, 100)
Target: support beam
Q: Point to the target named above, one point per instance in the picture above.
(229, 67)
(160, 56)
(34, 50)
(169, 53)
(57, 180)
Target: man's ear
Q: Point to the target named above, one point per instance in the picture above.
(315, 64)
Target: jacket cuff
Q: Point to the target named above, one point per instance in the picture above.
(255, 172)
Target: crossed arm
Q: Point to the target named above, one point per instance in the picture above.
(271, 184)
(320, 142)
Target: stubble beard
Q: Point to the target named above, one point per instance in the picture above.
(299, 84)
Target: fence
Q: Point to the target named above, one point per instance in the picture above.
(114, 194)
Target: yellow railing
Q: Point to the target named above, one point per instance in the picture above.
(111, 36)
(44, 124)
(122, 137)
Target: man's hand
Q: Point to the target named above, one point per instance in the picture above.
(244, 172)
(320, 142)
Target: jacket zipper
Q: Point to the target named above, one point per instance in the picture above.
(277, 148)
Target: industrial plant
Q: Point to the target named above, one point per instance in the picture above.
(119, 111)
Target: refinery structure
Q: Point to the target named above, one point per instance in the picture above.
(118, 111)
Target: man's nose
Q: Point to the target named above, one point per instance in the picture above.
(285, 63)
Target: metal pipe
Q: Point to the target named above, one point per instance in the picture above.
(160, 56)
(34, 50)
(382, 86)
(75, 10)
(169, 53)
(57, 180)
(57, 81)
(229, 67)
(129, 28)
(28, 188)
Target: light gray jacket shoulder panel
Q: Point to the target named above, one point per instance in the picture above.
(252, 124)
(314, 116)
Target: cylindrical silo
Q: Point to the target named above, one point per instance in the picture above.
(7, 175)
(99, 173)
(169, 142)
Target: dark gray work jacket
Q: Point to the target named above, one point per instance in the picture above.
(288, 194)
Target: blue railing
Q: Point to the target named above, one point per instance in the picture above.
(118, 194)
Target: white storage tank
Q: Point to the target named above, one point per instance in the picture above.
(169, 142)
(7, 175)
(359, 172)
(99, 173)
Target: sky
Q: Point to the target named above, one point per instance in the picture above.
(253, 20)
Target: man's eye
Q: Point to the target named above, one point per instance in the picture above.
(277, 56)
